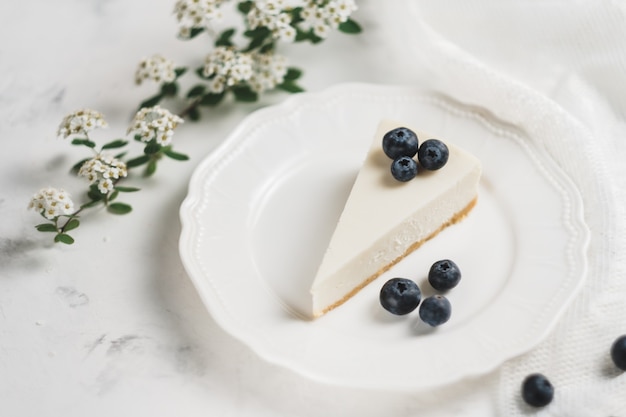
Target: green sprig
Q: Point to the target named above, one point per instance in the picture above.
(259, 39)
(60, 232)
(83, 142)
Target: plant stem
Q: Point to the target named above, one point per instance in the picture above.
(70, 217)
(191, 107)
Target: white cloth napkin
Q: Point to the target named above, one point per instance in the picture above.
(557, 68)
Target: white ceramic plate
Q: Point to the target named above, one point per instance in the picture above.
(262, 207)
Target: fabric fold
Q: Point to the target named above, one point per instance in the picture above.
(576, 125)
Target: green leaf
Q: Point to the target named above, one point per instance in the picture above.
(296, 15)
(126, 189)
(268, 47)
(84, 142)
(196, 91)
(118, 143)
(293, 74)
(169, 89)
(225, 38)
(113, 195)
(46, 227)
(290, 87)
(314, 38)
(245, 6)
(258, 37)
(301, 35)
(135, 162)
(212, 99)
(94, 193)
(195, 32)
(194, 114)
(180, 71)
(255, 33)
(71, 225)
(200, 73)
(245, 94)
(152, 148)
(308, 35)
(175, 155)
(120, 155)
(74, 170)
(119, 208)
(152, 101)
(151, 168)
(350, 27)
(64, 238)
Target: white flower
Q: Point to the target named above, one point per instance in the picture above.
(323, 16)
(321, 29)
(52, 202)
(80, 123)
(105, 185)
(217, 84)
(344, 8)
(270, 14)
(193, 14)
(102, 170)
(156, 68)
(269, 70)
(154, 123)
(285, 33)
(269, 7)
(228, 67)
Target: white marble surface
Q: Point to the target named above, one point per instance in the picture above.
(112, 324)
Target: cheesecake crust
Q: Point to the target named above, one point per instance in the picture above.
(454, 219)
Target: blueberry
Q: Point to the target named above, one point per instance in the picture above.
(435, 310)
(400, 142)
(433, 154)
(404, 168)
(400, 296)
(618, 352)
(537, 390)
(444, 275)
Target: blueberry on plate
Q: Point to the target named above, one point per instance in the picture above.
(404, 168)
(433, 154)
(435, 310)
(618, 352)
(444, 275)
(537, 390)
(400, 296)
(400, 142)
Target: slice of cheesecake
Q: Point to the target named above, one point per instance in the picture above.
(384, 219)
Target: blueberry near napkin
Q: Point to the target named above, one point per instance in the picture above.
(559, 69)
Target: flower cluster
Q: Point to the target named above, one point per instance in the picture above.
(51, 203)
(242, 64)
(270, 14)
(103, 170)
(80, 123)
(156, 68)
(192, 14)
(227, 67)
(269, 71)
(154, 123)
(322, 16)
